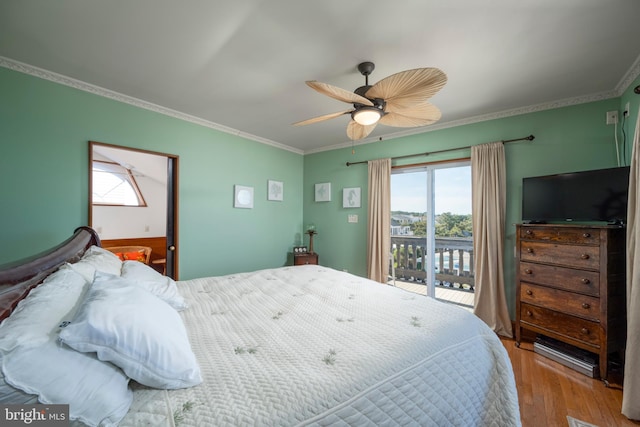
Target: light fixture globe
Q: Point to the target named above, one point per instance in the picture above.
(366, 115)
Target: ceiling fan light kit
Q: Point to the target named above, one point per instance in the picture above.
(366, 115)
(399, 100)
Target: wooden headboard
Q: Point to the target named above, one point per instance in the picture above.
(19, 277)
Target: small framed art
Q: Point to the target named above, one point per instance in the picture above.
(351, 197)
(323, 192)
(243, 197)
(275, 190)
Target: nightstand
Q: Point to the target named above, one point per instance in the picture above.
(307, 258)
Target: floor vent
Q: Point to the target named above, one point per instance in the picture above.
(567, 355)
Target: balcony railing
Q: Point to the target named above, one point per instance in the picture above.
(453, 262)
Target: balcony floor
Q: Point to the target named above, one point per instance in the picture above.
(455, 296)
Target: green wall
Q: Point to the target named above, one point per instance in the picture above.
(44, 132)
(566, 139)
(45, 128)
(633, 99)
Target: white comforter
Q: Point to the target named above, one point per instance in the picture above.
(308, 345)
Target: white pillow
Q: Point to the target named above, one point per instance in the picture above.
(135, 330)
(161, 286)
(32, 360)
(10, 395)
(97, 392)
(97, 259)
(36, 317)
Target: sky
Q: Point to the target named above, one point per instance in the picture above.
(452, 191)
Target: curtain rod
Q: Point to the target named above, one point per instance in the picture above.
(527, 138)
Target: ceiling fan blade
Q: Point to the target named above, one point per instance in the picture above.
(420, 83)
(398, 105)
(338, 93)
(357, 131)
(418, 115)
(321, 118)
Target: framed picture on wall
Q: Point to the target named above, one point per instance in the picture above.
(275, 190)
(323, 192)
(351, 197)
(243, 197)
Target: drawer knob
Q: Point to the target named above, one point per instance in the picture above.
(529, 250)
(528, 271)
(584, 256)
(586, 281)
(529, 292)
(585, 331)
(586, 305)
(529, 313)
(586, 235)
(529, 232)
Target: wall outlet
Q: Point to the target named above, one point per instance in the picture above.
(353, 218)
(612, 117)
(625, 113)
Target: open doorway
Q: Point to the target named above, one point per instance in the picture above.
(431, 231)
(133, 201)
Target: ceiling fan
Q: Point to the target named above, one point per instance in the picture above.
(399, 100)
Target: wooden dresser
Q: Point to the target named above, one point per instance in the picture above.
(571, 286)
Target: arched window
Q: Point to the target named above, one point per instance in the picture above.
(115, 185)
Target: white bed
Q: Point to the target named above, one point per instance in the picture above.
(308, 345)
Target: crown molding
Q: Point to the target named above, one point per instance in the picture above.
(106, 93)
(625, 82)
(628, 79)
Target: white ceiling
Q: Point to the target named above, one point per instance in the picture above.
(240, 65)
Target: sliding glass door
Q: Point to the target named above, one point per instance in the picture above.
(431, 233)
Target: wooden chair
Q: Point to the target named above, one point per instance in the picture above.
(161, 262)
(132, 253)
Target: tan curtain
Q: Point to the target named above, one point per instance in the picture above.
(488, 194)
(630, 400)
(379, 220)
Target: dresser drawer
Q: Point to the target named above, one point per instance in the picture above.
(571, 303)
(570, 279)
(581, 236)
(562, 324)
(567, 255)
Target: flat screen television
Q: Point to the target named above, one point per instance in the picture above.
(589, 196)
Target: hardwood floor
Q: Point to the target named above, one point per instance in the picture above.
(549, 391)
